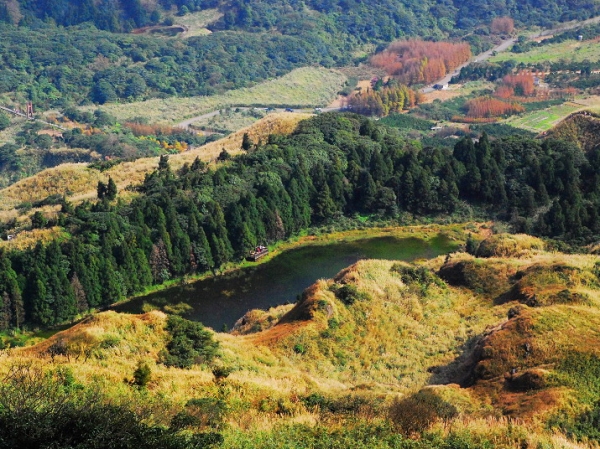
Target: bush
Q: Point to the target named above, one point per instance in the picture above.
(416, 413)
(348, 294)
(142, 375)
(190, 343)
(420, 277)
(4, 121)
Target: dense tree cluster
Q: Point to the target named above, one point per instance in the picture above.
(110, 15)
(386, 21)
(489, 107)
(384, 101)
(521, 83)
(199, 219)
(52, 66)
(417, 61)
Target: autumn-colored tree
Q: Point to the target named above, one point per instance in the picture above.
(504, 92)
(384, 101)
(488, 107)
(502, 25)
(416, 61)
(522, 83)
(139, 129)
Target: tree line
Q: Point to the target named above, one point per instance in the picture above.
(199, 219)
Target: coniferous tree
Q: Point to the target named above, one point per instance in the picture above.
(159, 262)
(101, 190)
(324, 207)
(111, 190)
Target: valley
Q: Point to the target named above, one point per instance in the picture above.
(421, 181)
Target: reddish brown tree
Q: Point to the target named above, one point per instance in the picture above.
(502, 25)
(488, 107)
(417, 61)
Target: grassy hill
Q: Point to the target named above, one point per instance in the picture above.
(305, 87)
(446, 351)
(581, 128)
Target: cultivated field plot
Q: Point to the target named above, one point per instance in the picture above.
(539, 121)
(304, 87)
(568, 50)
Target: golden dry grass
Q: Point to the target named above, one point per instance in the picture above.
(510, 245)
(380, 346)
(28, 239)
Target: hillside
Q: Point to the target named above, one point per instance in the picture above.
(78, 182)
(333, 172)
(582, 128)
(458, 341)
(130, 50)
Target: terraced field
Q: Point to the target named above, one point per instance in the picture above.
(568, 50)
(540, 121)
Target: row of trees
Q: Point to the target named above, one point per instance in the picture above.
(416, 61)
(522, 84)
(489, 107)
(384, 101)
(198, 219)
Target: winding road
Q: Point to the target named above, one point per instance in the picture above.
(502, 46)
(506, 44)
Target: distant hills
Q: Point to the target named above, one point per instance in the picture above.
(364, 20)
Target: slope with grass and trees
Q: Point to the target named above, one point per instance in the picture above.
(491, 349)
(200, 218)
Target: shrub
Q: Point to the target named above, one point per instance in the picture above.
(221, 372)
(316, 400)
(416, 413)
(348, 294)
(204, 412)
(142, 375)
(416, 276)
(190, 343)
(299, 348)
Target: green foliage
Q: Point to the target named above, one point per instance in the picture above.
(299, 348)
(416, 413)
(349, 294)
(49, 410)
(419, 276)
(135, 67)
(407, 121)
(190, 343)
(142, 375)
(104, 165)
(4, 121)
(111, 189)
(580, 371)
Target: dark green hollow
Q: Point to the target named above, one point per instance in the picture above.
(224, 299)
